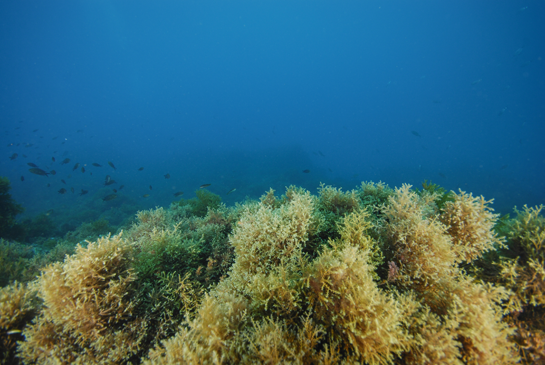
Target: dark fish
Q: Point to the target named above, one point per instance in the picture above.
(230, 191)
(13, 157)
(96, 165)
(53, 159)
(65, 161)
(321, 154)
(24, 156)
(306, 171)
(75, 166)
(79, 131)
(121, 187)
(140, 169)
(416, 133)
(83, 192)
(115, 190)
(204, 186)
(64, 182)
(150, 187)
(35, 131)
(22, 178)
(504, 167)
(442, 175)
(53, 172)
(38, 171)
(62, 191)
(179, 193)
(109, 197)
(82, 169)
(167, 176)
(72, 190)
(145, 195)
(112, 165)
(48, 185)
(110, 182)
(31, 164)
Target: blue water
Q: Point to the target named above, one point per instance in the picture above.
(249, 94)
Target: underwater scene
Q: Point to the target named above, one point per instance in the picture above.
(272, 182)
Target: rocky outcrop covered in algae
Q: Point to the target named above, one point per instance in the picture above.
(373, 275)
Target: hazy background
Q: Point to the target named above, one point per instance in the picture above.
(249, 94)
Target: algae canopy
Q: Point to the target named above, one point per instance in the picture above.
(373, 275)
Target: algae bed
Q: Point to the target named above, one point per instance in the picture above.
(373, 275)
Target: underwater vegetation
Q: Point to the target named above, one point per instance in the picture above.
(373, 275)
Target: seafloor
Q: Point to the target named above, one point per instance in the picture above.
(374, 275)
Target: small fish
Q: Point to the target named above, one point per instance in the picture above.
(53, 172)
(75, 166)
(49, 212)
(64, 182)
(83, 169)
(231, 191)
(150, 187)
(35, 131)
(53, 159)
(62, 191)
(140, 169)
(167, 176)
(22, 178)
(72, 190)
(109, 197)
(476, 82)
(13, 332)
(321, 154)
(204, 186)
(96, 165)
(179, 193)
(145, 195)
(65, 161)
(121, 187)
(306, 171)
(38, 171)
(115, 190)
(110, 182)
(442, 175)
(112, 165)
(48, 185)
(13, 157)
(83, 192)
(416, 133)
(504, 167)
(31, 164)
